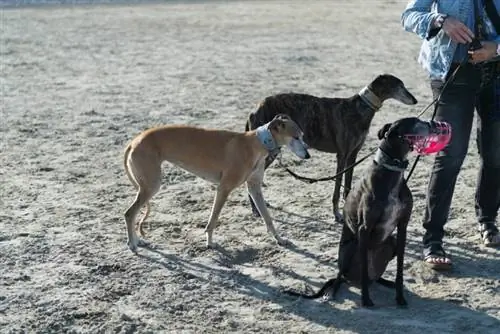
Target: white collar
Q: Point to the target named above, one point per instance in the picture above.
(266, 138)
(369, 97)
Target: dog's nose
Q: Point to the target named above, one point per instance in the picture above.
(307, 155)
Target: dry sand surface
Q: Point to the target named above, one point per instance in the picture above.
(79, 82)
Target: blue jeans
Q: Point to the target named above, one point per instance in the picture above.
(458, 102)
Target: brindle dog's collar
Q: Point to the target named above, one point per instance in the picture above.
(386, 161)
(266, 138)
(368, 97)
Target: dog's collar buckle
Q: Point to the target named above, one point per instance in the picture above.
(389, 163)
(266, 138)
(369, 97)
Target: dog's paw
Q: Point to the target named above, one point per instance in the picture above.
(209, 244)
(283, 242)
(132, 245)
(327, 296)
(339, 218)
(401, 301)
(255, 213)
(142, 243)
(367, 302)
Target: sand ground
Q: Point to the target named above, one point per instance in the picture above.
(79, 82)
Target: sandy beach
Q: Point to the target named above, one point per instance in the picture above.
(79, 82)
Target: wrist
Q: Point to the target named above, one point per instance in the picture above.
(439, 20)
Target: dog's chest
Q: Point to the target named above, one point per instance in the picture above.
(393, 210)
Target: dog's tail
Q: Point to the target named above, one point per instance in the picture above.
(328, 289)
(132, 179)
(249, 121)
(126, 156)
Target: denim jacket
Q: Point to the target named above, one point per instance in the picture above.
(437, 50)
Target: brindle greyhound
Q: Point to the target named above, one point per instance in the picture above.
(379, 203)
(333, 125)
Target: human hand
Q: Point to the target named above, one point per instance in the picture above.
(458, 32)
(488, 51)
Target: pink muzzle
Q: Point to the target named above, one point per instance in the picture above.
(434, 142)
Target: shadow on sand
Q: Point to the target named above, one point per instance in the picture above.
(322, 313)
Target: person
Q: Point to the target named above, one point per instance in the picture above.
(448, 29)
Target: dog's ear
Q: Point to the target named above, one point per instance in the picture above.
(278, 122)
(381, 133)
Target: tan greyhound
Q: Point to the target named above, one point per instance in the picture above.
(223, 157)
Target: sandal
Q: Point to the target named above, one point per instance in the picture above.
(435, 257)
(489, 234)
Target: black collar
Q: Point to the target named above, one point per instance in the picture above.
(389, 163)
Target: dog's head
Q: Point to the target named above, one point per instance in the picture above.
(286, 132)
(387, 86)
(412, 134)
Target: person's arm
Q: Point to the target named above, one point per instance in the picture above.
(495, 6)
(419, 19)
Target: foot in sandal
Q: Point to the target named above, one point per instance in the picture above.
(489, 234)
(435, 257)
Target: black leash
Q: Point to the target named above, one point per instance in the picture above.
(328, 178)
(436, 105)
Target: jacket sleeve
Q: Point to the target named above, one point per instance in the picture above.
(418, 18)
(496, 38)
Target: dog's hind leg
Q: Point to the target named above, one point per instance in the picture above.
(336, 192)
(387, 252)
(144, 217)
(148, 180)
(143, 196)
(351, 159)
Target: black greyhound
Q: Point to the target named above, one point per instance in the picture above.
(333, 125)
(378, 204)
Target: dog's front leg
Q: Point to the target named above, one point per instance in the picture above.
(269, 160)
(220, 199)
(400, 249)
(336, 191)
(363, 237)
(255, 191)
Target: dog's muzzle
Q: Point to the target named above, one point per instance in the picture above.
(435, 141)
(299, 147)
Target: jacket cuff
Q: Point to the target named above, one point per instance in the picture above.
(432, 31)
